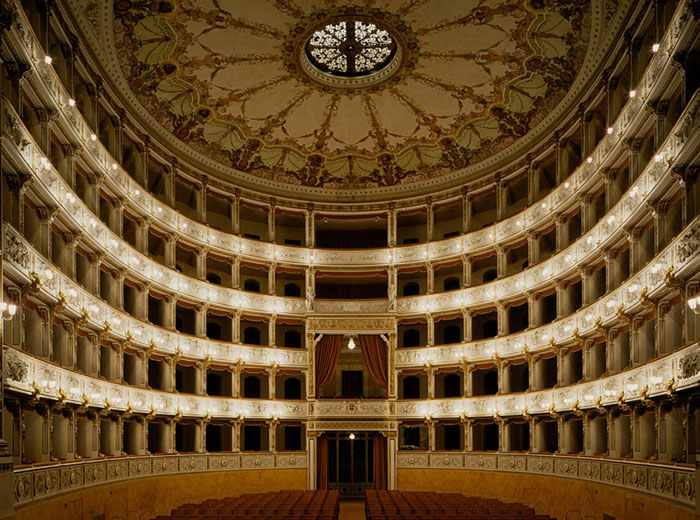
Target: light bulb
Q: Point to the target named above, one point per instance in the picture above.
(48, 60)
(93, 137)
(351, 344)
(610, 130)
(71, 102)
(589, 160)
(351, 436)
(692, 303)
(633, 93)
(655, 47)
(3, 306)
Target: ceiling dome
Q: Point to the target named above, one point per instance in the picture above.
(298, 96)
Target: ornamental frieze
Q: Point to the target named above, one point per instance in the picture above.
(356, 325)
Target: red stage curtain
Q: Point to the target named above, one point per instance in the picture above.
(327, 354)
(375, 352)
(380, 462)
(322, 462)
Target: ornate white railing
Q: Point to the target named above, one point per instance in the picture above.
(47, 481)
(667, 481)
(681, 255)
(560, 266)
(26, 374)
(675, 371)
(502, 232)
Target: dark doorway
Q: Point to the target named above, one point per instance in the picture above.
(352, 384)
(350, 463)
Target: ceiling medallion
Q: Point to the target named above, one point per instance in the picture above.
(350, 48)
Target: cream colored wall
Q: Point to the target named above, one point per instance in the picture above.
(147, 498)
(565, 499)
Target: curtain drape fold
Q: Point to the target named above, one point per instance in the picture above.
(327, 354)
(376, 355)
(380, 462)
(322, 462)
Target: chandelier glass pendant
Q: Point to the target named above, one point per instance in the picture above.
(350, 48)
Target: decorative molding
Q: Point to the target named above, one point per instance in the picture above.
(31, 484)
(361, 325)
(674, 483)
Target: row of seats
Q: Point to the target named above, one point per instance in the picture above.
(404, 505)
(289, 505)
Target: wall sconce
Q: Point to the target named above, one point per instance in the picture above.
(8, 311)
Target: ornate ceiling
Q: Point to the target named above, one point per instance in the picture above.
(228, 79)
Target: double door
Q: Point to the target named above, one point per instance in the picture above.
(350, 463)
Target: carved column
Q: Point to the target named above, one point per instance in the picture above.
(96, 260)
(94, 92)
(201, 262)
(533, 248)
(502, 317)
(467, 270)
(142, 234)
(634, 45)
(235, 271)
(609, 256)
(118, 145)
(271, 221)
(70, 151)
(633, 145)
(431, 330)
(46, 217)
(466, 210)
(271, 326)
(117, 223)
(533, 181)
(391, 227)
(430, 220)
(310, 226)
(16, 71)
(588, 140)
(119, 276)
(659, 210)
(271, 276)
(587, 216)
(532, 310)
(562, 231)
(46, 119)
(501, 261)
(430, 274)
(611, 191)
(610, 101)
(18, 184)
(500, 197)
(93, 196)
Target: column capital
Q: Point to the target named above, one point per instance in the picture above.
(47, 213)
(72, 237)
(609, 174)
(633, 144)
(17, 180)
(16, 70)
(71, 149)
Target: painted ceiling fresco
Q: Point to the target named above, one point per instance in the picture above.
(222, 76)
